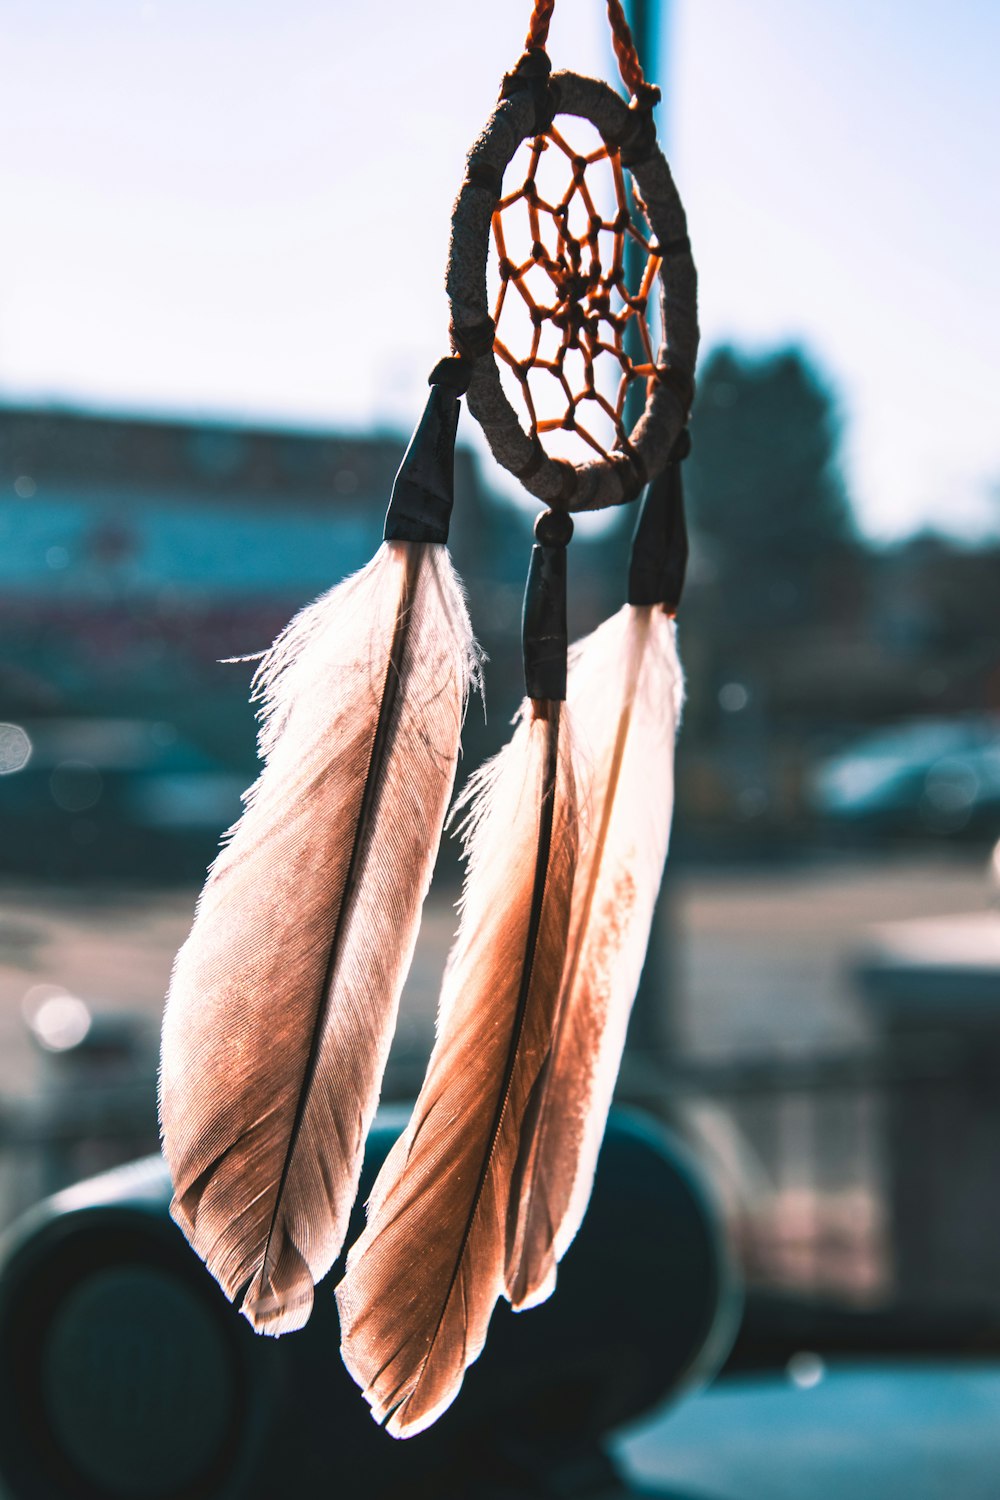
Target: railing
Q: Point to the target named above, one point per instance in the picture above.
(865, 1176)
(796, 1150)
(822, 1163)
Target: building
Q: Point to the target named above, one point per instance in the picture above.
(135, 556)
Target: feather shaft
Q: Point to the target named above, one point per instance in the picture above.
(369, 797)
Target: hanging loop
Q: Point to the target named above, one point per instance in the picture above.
(646, 94)
(538, 26)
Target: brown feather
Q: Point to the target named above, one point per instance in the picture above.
(623, 759)
(424, 1277)
(283, 999)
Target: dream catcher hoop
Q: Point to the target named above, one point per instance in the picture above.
(583, 290)
(283, 1000)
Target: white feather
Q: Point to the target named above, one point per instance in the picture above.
(423, 1279)
(283, 999)
(624, 696)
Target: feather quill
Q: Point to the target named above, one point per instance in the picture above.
(283, 999)
(424, 1277)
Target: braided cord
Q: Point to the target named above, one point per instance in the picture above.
(621, 37)
(538, 27)
(628, 57)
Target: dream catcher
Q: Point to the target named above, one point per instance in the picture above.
(283, 999)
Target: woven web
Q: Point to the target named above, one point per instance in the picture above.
(567, 262)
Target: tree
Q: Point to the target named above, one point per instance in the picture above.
(768, 503)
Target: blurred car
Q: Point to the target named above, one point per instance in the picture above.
(939, 776)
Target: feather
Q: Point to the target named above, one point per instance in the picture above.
(424, 1277)
(283, 999)
(624, 772)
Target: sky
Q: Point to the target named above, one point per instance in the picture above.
(240, 209)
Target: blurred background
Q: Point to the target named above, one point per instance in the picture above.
(220, 295)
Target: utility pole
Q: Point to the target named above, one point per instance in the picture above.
(644, 17)
(654, 1025)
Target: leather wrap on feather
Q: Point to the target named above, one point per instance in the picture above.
(283, 999)
(424, 1277)
(624, 696)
